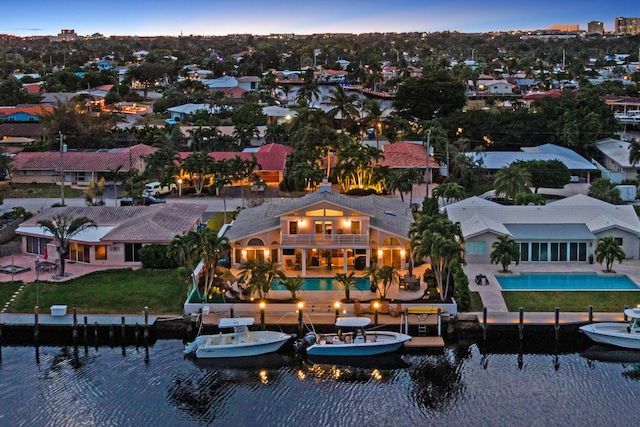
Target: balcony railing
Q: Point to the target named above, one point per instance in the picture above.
(324, 239)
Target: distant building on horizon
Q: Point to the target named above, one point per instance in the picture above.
(66, 35)
(595, 27)
(628, 26)
(565, 27)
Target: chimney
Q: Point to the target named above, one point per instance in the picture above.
(325, 186)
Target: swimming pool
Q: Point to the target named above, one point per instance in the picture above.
(326, 284)
(566, 282)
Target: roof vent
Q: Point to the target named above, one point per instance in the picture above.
(390, 213)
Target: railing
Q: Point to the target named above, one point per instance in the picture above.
(324, 240)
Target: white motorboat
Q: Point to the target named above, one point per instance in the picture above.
(625, 335)
(355, 342)
(239, 343)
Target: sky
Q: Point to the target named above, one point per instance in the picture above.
(216, 17)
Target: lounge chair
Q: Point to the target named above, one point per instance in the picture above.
(397, 311)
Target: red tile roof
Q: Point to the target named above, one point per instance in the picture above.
(35, 110)
(234, 92)
(90, 161)
(271, 157)
(405, 155)
(27, 130)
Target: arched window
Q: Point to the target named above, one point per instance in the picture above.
(255, 242)
(391, 241)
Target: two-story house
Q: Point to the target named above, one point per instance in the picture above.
(323, 233)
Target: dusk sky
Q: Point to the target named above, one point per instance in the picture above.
(163, 17)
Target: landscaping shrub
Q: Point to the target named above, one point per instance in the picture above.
(155, 256)
(461, 290)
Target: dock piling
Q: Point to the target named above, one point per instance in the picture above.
(626, 318)
(112, 332)
(521, 323)
(85, 329)
(262, 313)
(36, 329)
(74, 328)
(556, 325)
(590, 313)
(231, 312)
(146, 323)
(123, 329)
(95, 333)
(484, 323)
(300, 321)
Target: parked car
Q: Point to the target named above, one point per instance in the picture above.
(150, 200)
(156, 189)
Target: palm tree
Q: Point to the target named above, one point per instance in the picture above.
(292, 284)
(512, 180)
(347, 281)
(373, 117)
(114, 173)
(388, 275)
(343, 103)
(530, 199)
(634, 151)
(449, 191)
(260, 275)
(373, 272)
(608, 250)
(505, 250)
(403, 180)
(63, 228)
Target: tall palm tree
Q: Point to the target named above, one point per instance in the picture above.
(449, 191)
(373, 117)
(373, 272)
(347, 281)
(608, 250)
(205, 244)
(114, 173)
(634, 151)
(343, 103)
(512, 180)
(63, 227)
(505, 250)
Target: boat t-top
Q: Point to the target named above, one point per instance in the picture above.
(626, 335)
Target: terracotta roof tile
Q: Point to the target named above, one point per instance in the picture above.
(405, 155)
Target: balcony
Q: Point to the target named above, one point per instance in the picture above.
(341, 240)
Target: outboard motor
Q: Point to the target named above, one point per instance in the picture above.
(305, 342)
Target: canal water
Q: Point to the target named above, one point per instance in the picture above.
(501, 383)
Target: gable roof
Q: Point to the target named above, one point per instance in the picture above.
(616, 150)
(270, 157)
(32, 110)
(477, 217)
(387, 214)
(158, 223)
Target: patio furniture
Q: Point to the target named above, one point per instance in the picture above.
(481, 279)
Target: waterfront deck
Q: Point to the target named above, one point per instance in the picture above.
(546, 319)
(67, 320)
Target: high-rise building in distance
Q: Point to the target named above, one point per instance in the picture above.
(595, 27)
(629, 26)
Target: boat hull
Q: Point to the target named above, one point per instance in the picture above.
(384, 343)
(615, 334)
(226, 346)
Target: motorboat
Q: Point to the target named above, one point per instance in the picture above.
(625, 335)
(355, 341)
(239, 343)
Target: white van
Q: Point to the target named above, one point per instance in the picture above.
(156, 189)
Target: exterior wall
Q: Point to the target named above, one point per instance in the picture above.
(40, 177)
(488, 239)
(267, 238)
(20, 117)
(630, 242)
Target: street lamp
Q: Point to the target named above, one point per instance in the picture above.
(180, 187)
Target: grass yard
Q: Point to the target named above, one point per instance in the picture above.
(216, 221)
(602, 301)
(16, 191)
(7, 289)
(123, 291)
(476, 302)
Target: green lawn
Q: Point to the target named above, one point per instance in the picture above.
(476, 302)
(110, 292)
(608, 302)
(10, 190)
(7, 289)
(216, 221)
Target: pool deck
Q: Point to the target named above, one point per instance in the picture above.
(492, 294)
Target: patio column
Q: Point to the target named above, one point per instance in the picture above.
(280, 263)
(367, 262)
(344, 253)
(304, 262)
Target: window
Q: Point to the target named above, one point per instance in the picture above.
(132, 252)
(391, 241)
(475, 248)
(255, 242)
(293, 227)
(524, 252)
(618, 240)
(289, 252)
(36, 245)
(355, 227)
(79, 252)
(101, 253)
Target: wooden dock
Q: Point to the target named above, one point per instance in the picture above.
(424, 343)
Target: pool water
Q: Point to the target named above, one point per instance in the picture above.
(566, 282)
(327, 284)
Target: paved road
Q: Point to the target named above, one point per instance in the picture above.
(38, 205)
